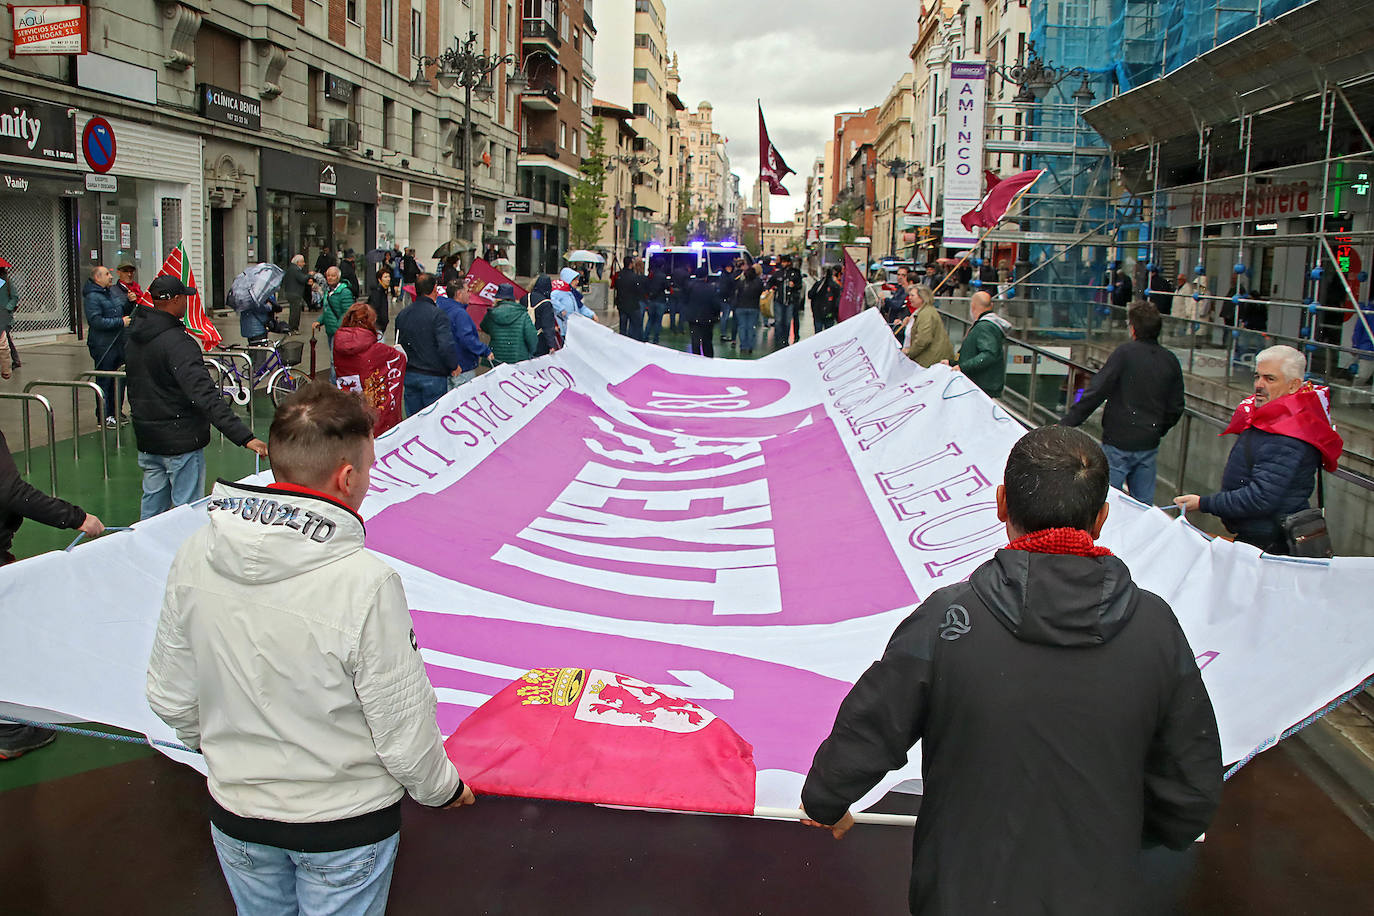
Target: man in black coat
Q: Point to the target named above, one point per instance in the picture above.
(1062, 717)
(629, 299)
(423, 330)
(295, 285)
(1142, 384)
(701, 310)
(786, 284)
(174, 402)
(655, 304)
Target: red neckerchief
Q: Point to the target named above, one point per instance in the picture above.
(1073, 541)
(1303, 415)
(561, 285)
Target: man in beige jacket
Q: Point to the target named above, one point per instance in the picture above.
(927, 340)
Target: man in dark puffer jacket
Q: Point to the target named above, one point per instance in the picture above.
(174, 402)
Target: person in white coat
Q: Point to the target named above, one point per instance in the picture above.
(285, 655)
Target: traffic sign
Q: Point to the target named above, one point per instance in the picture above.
(918, 205)
(98, 145)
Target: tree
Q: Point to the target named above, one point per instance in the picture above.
(750, 241)
(846, 211)
(685, 216)
(587, 197)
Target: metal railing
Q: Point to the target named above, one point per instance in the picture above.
(43, 402)
(119, 377)
(247, 376)
(1191, 454)
(76, 388)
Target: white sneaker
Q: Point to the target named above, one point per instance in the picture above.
(111, 423)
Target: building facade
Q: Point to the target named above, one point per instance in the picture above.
(897, 170)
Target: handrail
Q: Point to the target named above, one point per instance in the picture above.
(120, 382)
(248, 360)
(43, 402)
(100, 410)
(1190, 414)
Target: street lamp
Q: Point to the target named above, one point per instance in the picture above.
(636, 166)
(463, 65)
(1036, 78)
(897, 168)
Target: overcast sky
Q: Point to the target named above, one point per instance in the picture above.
(804, 59)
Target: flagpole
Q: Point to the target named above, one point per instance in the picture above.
(1013, 202)
(1067, 248)
(860, 817)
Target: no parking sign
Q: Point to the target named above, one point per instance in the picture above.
(98, 145)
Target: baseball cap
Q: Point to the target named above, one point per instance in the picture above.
(165, 287)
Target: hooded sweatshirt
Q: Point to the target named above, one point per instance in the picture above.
(285, 653)
(364, 364)
(512, 333)
(1063, 724)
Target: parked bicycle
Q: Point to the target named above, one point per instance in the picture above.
(279, 370)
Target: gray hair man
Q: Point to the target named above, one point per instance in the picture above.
(1272, 468)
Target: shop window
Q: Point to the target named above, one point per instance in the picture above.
(217, 57)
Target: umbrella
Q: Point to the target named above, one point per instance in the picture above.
(502, 263)
(500, 241)
(453, 246)
(582, 256)
(254, 286)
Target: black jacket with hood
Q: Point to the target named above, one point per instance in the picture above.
(171, 397)
(1063, 725)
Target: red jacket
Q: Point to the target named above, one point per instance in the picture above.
(363, 363)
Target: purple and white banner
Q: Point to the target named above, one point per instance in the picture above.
(743, 534)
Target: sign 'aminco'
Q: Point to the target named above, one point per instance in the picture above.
(964, 146)
(229, 107)
(36, 130)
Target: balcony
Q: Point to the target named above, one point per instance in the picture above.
(540, 33)
(540, 98)
(546, 148)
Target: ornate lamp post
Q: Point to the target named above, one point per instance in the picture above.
(897, 167)
(1036, 78)
(463, 65)
(636, 166)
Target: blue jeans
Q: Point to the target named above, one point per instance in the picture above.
(170, 480)
(784, 316)
(423, 390)
(748, 329)
(109, 360)
(729, 324)
(268, 881)
(653, 319)
(1133, 472)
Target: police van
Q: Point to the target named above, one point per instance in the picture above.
(666, 261)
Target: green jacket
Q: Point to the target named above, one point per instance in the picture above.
(513, 338)
(8, 301)
(337, 302)
(929, 340)
(982, 355)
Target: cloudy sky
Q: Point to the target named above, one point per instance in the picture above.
(804, 59)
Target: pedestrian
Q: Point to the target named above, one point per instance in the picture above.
(337, 300)
(1122, 289)
(254, 321)
(894, 307)
(325, 260)
(380, 298)
(1063, 721)
(727, 284)
(106, 320)
(1142, 384)
(1284, 437)
(629, 299)
(471, 350)
(927, 340)
(127, 291)
(677, 299)
(982, 354)
(786, 283)
(508, 324)
(1161, 292)
(424, 332)
(365, 365)
(285, 655)
(18, 501)
(701, 312)
(539, 302)
(747, 295)
(655, 305)
(1362, 342)
(348, 273)
(450, 273)
(825, 299)
(566, 302)
(295, 286)
(410, 268)
(174, 402)
(9, 300)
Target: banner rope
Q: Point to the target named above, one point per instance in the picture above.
(91, 733)
(1294, 729)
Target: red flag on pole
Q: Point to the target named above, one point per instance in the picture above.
(198, 324)
(481, 283)
(851, 289)
(771, 167)
(998, 199)
(582, 734)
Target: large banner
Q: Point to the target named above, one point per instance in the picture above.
(743, 535)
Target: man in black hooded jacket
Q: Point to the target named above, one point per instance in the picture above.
(1062, 717)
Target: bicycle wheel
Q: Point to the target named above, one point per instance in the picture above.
(284, 383)
(227, 382)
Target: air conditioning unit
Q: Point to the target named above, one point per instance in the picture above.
(343, 133)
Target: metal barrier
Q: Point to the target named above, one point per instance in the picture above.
(76, 388)
(118, 375)
(248, 378)
(52, 432)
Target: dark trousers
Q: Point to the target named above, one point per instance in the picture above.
(293, 320)
(109, 360)
(787, 324)
(653, 319)
(632, 323)
(701, 337)
(675, 314)
(821, 322)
